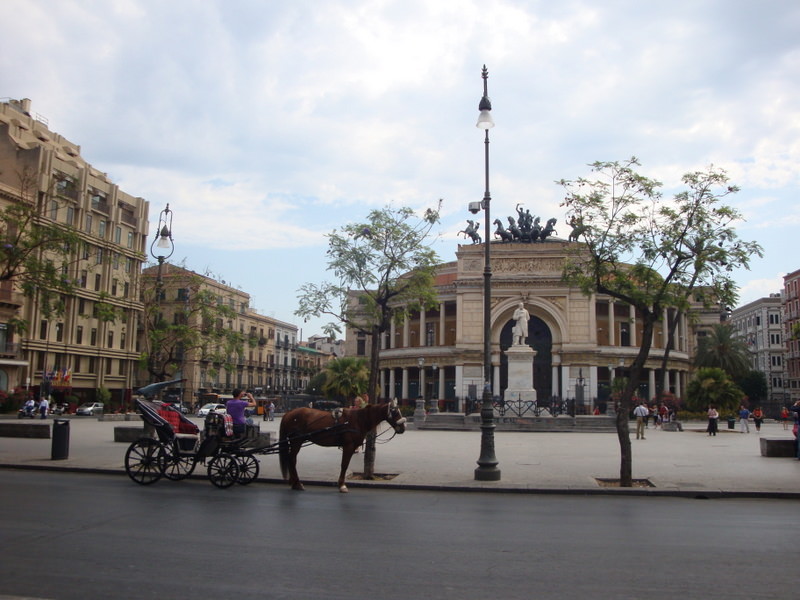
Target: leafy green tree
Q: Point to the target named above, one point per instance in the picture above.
(383, 269)
(315, 384)
(722, 348)
(753, 384)
(35, 250)
(346, 377)
(651, 253)
(189, 325)
(712, 385)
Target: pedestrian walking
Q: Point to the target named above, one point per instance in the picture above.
(785, 418)
(271, 410)
(744, 420)
(640, 412)
(44, 407)
(713, 420)
(758, 418)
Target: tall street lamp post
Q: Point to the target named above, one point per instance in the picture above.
(487, 462)
(161, 249)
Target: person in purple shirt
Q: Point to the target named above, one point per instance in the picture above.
(236, 406)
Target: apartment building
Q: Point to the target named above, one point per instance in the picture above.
(81, 349)
(791, 322)
(760, 325)
(267, 360)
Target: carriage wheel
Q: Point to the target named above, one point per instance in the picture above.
(178, 466)
(223, 470)
(145, 461)
(248, 469)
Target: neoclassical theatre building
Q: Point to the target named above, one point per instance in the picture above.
(581, 342)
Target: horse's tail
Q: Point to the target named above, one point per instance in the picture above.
(283, 448)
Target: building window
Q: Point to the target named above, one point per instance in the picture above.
(88, 223)
(97, 278)
(93, 337)
(117, 235)
(59, 332)
(101, 229)
(79, 334)
(114, 284)
(110, 339)
(126, 289)
(43, 330)
(130, 239)
(77, 364)
(53, 209)
(122, 341)
(70, 215)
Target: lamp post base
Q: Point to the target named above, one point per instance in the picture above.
(487, 474)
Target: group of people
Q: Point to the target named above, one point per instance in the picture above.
(660, 415)
(32, 407)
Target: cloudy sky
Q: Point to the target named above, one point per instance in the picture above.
(267, 124)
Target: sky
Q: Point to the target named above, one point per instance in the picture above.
(265, 125)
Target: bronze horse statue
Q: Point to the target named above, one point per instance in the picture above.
(345, 428)
(502, 232)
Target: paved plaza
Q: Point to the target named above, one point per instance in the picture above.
(687, 462)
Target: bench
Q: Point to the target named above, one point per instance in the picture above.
(778, 447)
(25, 430)
(128, 433)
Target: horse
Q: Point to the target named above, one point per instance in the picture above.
(471, 231)
(578, 229)
(501, 232)
(549, 229)
(513, 229)
(346, 428)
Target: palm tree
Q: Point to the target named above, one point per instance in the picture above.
(346, 377)
(721, 348)
(712, 385)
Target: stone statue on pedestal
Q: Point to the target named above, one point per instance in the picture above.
(520, 331)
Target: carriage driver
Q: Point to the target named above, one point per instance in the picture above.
(236, 406)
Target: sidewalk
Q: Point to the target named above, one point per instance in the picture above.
(677, 463)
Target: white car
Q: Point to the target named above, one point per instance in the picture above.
(207, 408)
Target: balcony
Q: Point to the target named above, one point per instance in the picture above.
(10, 350)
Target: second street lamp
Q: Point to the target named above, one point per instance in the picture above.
(487, 462)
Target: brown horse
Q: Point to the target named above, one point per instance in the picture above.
(346, 428)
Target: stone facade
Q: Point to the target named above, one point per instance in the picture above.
(578, 339)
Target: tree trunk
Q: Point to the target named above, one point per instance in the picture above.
(626, 401)
(372, 390)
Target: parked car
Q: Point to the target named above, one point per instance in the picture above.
(179, 406)
(90, 409)
(207, 408)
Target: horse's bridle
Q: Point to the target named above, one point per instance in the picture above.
(395, 418)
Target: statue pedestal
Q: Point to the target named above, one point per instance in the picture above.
(520, 374)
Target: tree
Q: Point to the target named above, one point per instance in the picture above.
(722, 348)
(753, 384)
(346, 377)
(712, 385)
(384, 270)
(652, 254)
(36, 251)
(193, 326)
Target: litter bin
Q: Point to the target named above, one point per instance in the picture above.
(731, 423)
(60, 447)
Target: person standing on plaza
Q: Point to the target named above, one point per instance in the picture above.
(44, 406)
(785, 418)
(654, 414)
(713, 420)
(236, 406)
(744, 419)
(758, 418)
(271, 410)
(796, 429)
(640, 412)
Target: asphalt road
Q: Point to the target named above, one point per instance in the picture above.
(68, 535)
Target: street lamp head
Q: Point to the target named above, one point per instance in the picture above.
(164, 239)
(485, 106)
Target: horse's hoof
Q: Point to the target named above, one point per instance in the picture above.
(298, 487)
(343, 489)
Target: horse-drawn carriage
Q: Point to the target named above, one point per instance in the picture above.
(179, 444)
